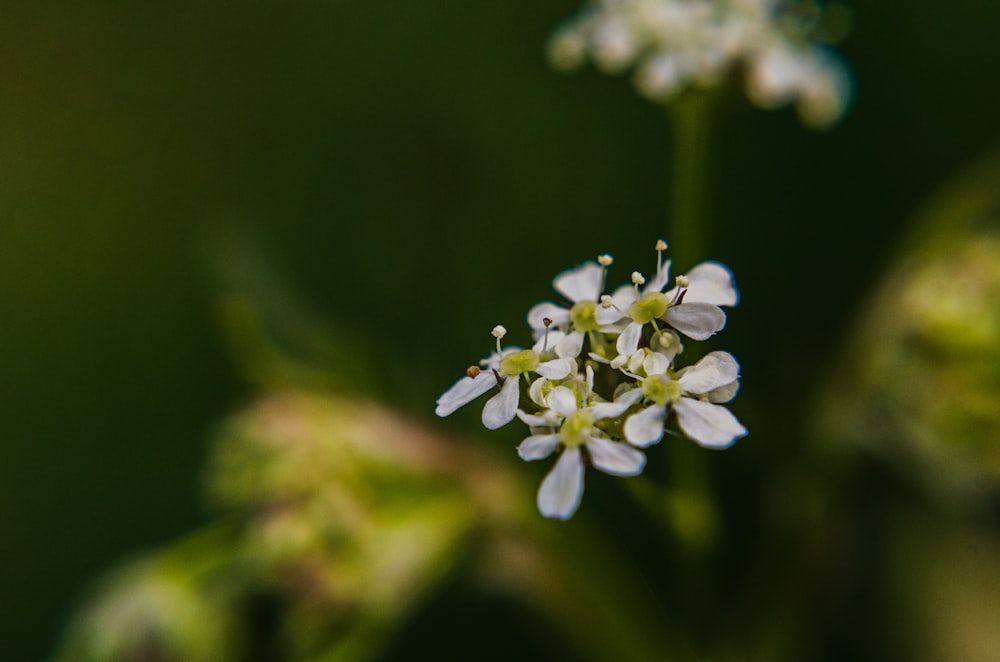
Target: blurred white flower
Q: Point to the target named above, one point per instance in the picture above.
(671, 45)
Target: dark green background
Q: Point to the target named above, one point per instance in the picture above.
(419, 174)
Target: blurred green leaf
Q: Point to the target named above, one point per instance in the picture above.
(919, 384)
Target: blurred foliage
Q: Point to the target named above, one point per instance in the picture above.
(339, 519)
(920, 384)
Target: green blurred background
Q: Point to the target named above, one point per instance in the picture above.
(416, 174)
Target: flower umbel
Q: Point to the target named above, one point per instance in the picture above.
(635, 334)
(674, 45)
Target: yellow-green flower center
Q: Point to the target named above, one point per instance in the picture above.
(573, 428)
(661, 389)
(519, 362)
(649, 307)
(584, 316)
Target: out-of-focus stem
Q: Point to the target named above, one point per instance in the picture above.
(690, 116)
(579, 581)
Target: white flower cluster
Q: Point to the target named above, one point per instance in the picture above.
(672, 44)
(632, 335)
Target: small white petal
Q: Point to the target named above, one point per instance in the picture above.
(598, 358)
(582, 283)
(562, 400)
(570, 346)
(696, 320)
(631, 396)
(617, 459)
(628, 341)
(547, 309)
(559, 495)
(537, 392)
(712, 426)
(548, 419)
(624, 297)
(556, 368)
(544, 344)
(659, 281)
(538, 446)
(711, 282)
(635, 361)
(464, 391)
(590, 379)
(646, 427)
(604, 410)
(724, 393)
(492, 362)
(502, 407)
(606, 316)
(656, 364)
(714, 370)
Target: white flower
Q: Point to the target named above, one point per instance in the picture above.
(503, 369)
(691, 307)
(561, 490)
(583, 286)
(497, 411)
(692, 395)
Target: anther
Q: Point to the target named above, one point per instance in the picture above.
(606, 301)
(605, 260)
(661, 245)
(638, 279)
(682, 281)
(473, 371)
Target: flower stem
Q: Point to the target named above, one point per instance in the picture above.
(691, 119)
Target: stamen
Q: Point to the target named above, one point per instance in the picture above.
(605, 261)
(547, 321)
(660, 247)
(608, 302)
(682, 284)
(637, 280)
(499, 332)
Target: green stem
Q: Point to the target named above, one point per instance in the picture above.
(691, 120)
